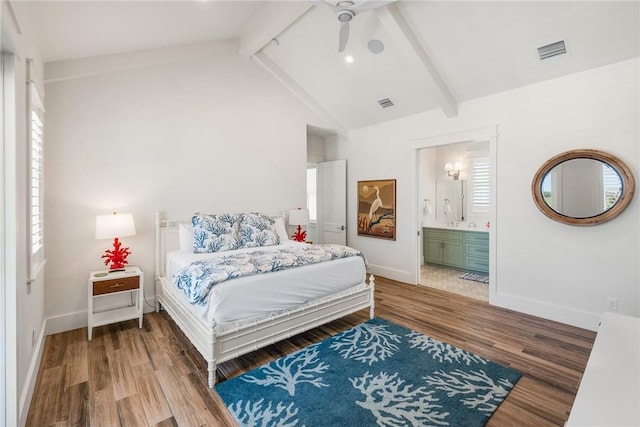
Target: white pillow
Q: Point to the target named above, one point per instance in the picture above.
(185, 232)
(281, 229)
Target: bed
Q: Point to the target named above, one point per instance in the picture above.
(240, 316)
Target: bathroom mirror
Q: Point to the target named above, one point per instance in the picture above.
(450, 200)
(583, 187)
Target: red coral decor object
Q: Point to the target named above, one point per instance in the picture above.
(117, 257)
(300, 235)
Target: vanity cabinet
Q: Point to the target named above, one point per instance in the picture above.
(466, 250)
(476, 251)
(444, 247)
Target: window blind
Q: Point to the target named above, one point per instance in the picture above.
(36, 178)
(612, 186)
(37, 233)
(480, 185)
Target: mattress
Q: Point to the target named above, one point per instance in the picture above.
(241, 300)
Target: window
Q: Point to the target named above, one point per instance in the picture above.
(36, 182)
(311, 192)
(480, 185)
(36, 187)
(612, 186)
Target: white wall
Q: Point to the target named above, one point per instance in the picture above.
(24, 314)
(210, 133)
(543, 267)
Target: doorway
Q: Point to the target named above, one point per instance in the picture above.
(326, 190)
(455, 182)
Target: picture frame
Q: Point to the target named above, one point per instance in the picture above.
(377, 208)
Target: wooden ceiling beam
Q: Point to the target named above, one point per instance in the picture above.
(271, 20)
(405, 38)
(274, 69)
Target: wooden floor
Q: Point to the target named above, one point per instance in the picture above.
(152, 376)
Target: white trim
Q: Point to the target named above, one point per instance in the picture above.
(79, 319)
(557, 313)
(3, 262)
(469, 135)
(32, 376)
(487, 133)
(14, 17)
(66, 322)
(10, 198)
(273, 19)
(390, 273)
(405, 38)
(287, 81)
(36, 270)
(85, 67)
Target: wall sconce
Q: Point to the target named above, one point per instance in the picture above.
(453, 169)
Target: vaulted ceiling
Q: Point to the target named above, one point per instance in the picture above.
(436, 53)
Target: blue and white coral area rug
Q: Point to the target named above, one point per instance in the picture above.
(377, 373)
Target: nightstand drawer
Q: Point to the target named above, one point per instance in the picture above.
(116, 285)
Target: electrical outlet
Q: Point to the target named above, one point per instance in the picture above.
(612, 304)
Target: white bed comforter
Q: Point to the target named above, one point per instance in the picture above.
(246, 298)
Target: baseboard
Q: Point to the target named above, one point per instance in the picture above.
(566, 315)
(66, 322)
(32, 375)
(78, 319)
(390, 273)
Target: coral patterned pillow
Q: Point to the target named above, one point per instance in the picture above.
(257, 230)
(215, 233)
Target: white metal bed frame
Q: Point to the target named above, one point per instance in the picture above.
(217, 347)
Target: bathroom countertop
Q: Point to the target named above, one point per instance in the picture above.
(464, 226)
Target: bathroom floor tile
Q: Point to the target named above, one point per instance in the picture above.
(447, 279)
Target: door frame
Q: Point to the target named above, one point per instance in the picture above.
(489, 133)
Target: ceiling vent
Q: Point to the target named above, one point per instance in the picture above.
(551, 50)
(386, 103)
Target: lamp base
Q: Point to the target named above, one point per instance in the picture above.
(299, 235)
(117, 257)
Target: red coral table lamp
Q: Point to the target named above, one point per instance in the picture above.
(299, 217)
(114, 226)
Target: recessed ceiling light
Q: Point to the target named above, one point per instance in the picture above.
(349, 59)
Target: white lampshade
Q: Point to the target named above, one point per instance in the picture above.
(448, 166)
(299, 217)
(115, 225)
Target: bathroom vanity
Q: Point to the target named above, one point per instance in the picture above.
(456, 248)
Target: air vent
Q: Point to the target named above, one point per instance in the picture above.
(386, 103)
(551, 50)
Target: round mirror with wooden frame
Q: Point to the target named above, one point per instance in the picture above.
(583, 187)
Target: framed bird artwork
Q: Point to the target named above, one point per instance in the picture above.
(377, 208)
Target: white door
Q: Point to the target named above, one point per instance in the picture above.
(332, 202)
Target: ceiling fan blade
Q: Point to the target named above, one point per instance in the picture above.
(371, 4)
(344, 37)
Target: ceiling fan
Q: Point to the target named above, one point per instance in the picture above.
(346, 10)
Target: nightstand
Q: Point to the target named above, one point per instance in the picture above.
(102, 284)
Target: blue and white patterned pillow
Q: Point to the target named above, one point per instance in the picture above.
(257, 230)
(215, 233)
